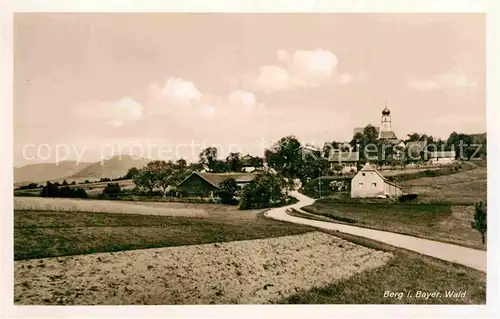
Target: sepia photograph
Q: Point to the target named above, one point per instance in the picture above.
(170, 158)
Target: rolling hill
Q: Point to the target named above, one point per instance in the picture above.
(43, 172)
(72, 171)
(110, 168)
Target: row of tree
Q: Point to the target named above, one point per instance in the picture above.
(209, 159)
(54, 190)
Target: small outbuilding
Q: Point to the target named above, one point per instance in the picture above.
(369, 183)
(203, 184)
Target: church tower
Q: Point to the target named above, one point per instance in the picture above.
(385, 122)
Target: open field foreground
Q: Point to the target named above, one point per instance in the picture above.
(254, 271)
(51, 234)
(102, 206)
(461, 188)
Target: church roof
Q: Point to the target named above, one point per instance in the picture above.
(389, 135)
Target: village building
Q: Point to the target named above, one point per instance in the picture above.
(248, 163)
(369, 183)
(348, 161)
(386, 134)
(204, 184)
(442, 157)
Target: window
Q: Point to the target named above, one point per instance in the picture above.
(363, 175)
(360, 185)
(374, 184)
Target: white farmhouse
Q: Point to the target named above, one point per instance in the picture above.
(442, 157)
(370, 183)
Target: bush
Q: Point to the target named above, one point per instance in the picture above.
(112, 190)
(227, 191)
(29, 186)
(407, 197)
(262, 192)
(52, 190)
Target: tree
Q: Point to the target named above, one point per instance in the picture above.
(480, 219)
(161, 173)
(208, 157)
(413, 137)
(285, 156)
(233, 162)
(50, 190)
(131, 173)
(219, 166)
(264, 191)
(64, 183)
(181, 164)
(144, 180)
(227, 191)
(87, 181)
(367, 144)
(112, 190)
(257, 162)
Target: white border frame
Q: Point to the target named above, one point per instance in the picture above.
(257, 6)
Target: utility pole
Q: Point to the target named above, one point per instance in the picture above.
(319, 181)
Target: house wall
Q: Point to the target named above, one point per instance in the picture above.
(442, 161)
(248, 169)
(369, 185)
(392, 190)
(197, 187)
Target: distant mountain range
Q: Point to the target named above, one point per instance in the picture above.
(73, 171)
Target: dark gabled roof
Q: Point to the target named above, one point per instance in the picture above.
(343, 157)
(216, 178)
(389, 135)
(246, 160)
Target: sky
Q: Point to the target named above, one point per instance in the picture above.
(167, 85)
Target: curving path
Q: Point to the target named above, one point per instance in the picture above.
(462, 255)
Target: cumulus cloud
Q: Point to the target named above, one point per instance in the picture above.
(175, 92)
(446, 81)
(239, 98)
(272, 78)
(312, 68)
(302, 68)
(207, 110)
(114, 113)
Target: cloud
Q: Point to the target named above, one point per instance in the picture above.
(282, 55)
(302, 68)
(312, 68)
(115, 113)
(239, 98)
(446, 81)
(272, 78)
(207, 110)
(175, 92)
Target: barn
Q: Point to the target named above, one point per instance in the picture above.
(370, 183)
(203, 184)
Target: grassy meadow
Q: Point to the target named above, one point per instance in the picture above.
(40, 234)
(439, 222)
